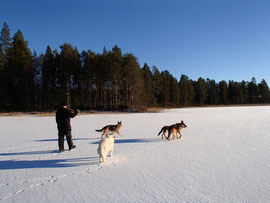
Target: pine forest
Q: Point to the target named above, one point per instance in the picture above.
(110, 80)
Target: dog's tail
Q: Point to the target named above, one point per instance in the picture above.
(160, 132)
(100, 130)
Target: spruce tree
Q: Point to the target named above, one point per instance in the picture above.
(2, 79)
(48, 73)
(5, 39)
(184, 94)
(88, 64)
(102, 79)
(1, 59)
(223, 92)
(201, 91)
(175, 96)
(19, 73)
(115, 60)
(157, 87)
(131, 81)
(37, 64)
(263, 92)
(68, 63)
(148, 86)
(252, 91)
(166, 90)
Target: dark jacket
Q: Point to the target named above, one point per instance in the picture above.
(63, 116)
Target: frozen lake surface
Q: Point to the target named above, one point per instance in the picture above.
(223, 156)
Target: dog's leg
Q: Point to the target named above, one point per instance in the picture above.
(163, 135)
(180, 135)
(106, 131)
(176, 135)
(173, 135)
(100, 158)
(118, 132)
(111, 152)
(103, 156)
(169, 136)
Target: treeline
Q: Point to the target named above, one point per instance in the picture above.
(104, 81)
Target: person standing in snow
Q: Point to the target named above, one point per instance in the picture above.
(63, 116)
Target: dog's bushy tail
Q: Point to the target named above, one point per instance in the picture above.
(100, 130)
(160, 132)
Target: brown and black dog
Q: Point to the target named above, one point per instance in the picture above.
(111, 128)
(176, 128)
(163, 130)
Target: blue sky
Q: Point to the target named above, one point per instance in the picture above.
(216, 39)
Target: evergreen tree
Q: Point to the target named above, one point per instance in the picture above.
(263, 92)
(147, 85)
(212, 92)
(223, 92)
(244, 97)
(48, 73)
(1, 59)
(67, 65)
(2, 79)
(191, 93)
(157, 88)
(252, 91)
(165, 88)
(5, 39)
(102, 95)
(183, 90)
(132, 83)
(19, 74)
(37, 64)
(236, 94)
(88, 65)
(186, 91)
(169, 89)
(175, 97)
(115, 58)
(201, 91)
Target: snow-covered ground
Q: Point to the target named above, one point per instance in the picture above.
(223, 156)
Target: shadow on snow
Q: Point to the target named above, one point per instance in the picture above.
(56, 140)
(123, 141)
(55, 163)
(29, 153)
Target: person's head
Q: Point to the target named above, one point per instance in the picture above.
(63, 104)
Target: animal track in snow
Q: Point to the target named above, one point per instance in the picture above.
(52, 179)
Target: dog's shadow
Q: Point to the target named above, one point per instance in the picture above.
(126, 141)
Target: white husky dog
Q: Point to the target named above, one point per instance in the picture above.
(106, 145)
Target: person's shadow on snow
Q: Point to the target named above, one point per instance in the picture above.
(54, 163)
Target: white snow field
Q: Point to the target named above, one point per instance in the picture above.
(223, 156)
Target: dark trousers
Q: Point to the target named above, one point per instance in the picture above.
(61, 138)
